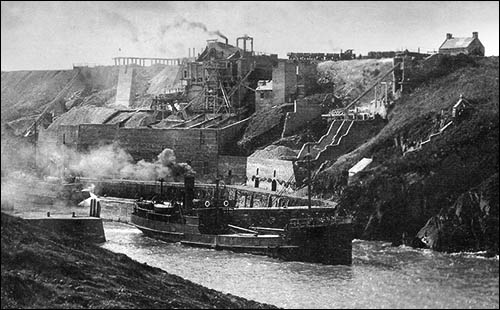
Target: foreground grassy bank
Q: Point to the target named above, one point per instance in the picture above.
(43, 270)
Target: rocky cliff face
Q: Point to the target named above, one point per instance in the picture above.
(438, 185)
(470, 224)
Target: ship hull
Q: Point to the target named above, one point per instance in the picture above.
(316, 245)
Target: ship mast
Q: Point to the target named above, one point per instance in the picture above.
(309, 177)
(217, 201)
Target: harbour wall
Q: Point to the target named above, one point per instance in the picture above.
(239, 196)
(85, 228)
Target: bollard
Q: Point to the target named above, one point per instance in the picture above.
(48, 214)
(73, 215)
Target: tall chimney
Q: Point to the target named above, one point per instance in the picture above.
(448, 36)
(475, 35)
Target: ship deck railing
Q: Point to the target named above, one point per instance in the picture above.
(313, 222)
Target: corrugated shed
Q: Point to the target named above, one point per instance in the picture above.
(140, 119)
(120, 117)
(132, 118)
(265, 85)
(84, 115)
(456, 43)
(362, 164)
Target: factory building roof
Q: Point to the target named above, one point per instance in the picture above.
(226, 50)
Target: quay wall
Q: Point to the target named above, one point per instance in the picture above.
(85, 228)
(233, 169)
(239, 196)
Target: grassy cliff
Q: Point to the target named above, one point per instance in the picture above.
(43, 270)
(396, 196)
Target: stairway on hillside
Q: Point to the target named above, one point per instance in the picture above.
(124, 87)
(333, 136)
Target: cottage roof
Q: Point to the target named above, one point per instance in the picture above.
(457, 43)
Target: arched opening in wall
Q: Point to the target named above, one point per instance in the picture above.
(274, 185)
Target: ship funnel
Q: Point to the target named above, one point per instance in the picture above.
(188, 191)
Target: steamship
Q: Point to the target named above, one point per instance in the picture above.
(326, 240)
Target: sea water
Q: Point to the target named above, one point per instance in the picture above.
(381, 276)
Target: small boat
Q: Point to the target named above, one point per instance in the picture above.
(326, 240)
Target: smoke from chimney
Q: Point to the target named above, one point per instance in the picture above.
(192, 25)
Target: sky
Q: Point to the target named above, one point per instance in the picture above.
(54, 35)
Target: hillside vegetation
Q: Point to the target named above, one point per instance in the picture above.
(398, 194)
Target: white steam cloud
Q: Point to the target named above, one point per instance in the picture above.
(112, 161)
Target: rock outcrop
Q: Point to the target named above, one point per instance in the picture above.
(470, 224)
